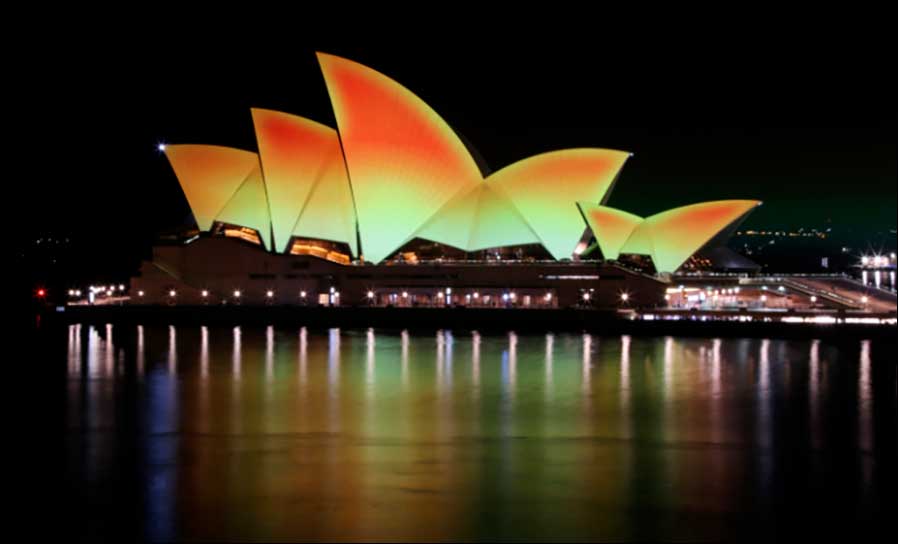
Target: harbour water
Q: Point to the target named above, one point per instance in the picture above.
(279, 433)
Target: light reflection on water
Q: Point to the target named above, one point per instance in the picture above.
(278, 433)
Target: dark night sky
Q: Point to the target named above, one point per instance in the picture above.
(805, 122)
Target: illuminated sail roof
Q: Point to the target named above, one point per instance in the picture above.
(670, 237)
(678, 233)
(306, 179)
(545, 189)
(249, 207)
(404, 160)
(209, 176)
(611, 227)
(480, 218)
(394, 170)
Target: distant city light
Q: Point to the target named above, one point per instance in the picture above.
(41, 293)
(585, 296)
(205, 293)
(763, 298)
(476, 294)
(302, 294)
(121, 287)
(172, 293)
(548, 296)
(161, 147)
(269, 293)
(864, 299)
(237, 293)
(139, 293)
(370, 294)
(405, 294)
(624, 297)
(813, 298)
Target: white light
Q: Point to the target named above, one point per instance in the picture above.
(172, 293)
(405, 294)
(302, 294)
(813, 298)
(505, 296)
(624, 297)
(71, 292)
(77, 292)
(512, 296)
(448, 290)
(140, 293)
(332, 289)
(237, 293)
(121, 287)
(864, 299)
(666, 297)
(736, 290)
(781, 288)
(476, 294)
(336, 293)
(763, 298)
(440, 294)
(548, 296)
(205, 293)
(161, 148)
(585, 296)
(370, 294)
(269, 293)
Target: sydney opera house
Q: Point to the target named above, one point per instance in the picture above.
(392, 208)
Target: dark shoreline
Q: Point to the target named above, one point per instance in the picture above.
(481, 319)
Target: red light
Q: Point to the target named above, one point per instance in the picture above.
(41, 293)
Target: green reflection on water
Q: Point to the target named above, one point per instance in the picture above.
(286, 434)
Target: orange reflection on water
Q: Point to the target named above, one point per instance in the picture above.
(286, 434)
